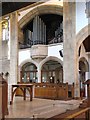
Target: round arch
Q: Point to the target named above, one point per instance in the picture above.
(42, 9)
(28, 75)
(28, 61)
(83, 68)
(81, 36)
(50, 58)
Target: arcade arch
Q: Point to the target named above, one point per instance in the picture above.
(43, 9)
(51, 70)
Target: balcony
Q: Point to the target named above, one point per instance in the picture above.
(39, 51)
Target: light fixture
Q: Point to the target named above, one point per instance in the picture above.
(42, 78)
(5, 24)
(27, 78)
(51, 77)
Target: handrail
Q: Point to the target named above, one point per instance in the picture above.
(77, 114)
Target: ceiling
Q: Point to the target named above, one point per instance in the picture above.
(8, 7)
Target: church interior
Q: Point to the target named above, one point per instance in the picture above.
(45, 59)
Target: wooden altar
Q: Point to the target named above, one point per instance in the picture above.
(23, 88)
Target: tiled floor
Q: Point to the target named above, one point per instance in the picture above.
(38, 108)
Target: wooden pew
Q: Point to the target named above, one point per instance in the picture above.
(86, 111)
(71, 90)
(4, 97)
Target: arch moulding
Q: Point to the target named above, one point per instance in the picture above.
(81, 36)
(50, 58)
(28, 61)
(42, 9)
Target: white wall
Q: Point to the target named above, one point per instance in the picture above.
(53, 50)
(23, 55)
(81, 18)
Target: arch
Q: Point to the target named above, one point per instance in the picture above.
(26, 61)
(83, 67)
(84, 60)
(50, 58)
(81, 36)
(42, 9)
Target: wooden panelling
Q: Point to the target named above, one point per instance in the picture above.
(4, 97)
(53, 91)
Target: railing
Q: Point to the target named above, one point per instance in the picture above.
(58, 39)
(73, 116)
(30, 43)
(35, 42)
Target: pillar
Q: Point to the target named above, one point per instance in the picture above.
(0, 46)
(70, 62)
(39, 75)
(13, 49)
(0, 68)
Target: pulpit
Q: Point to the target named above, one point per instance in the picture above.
(3, 97)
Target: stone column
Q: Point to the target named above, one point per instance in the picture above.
(39, 75)
(0, 46)
(70, 62)
(13, 49)
(0, 68)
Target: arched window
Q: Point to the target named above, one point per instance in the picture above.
(29, 73)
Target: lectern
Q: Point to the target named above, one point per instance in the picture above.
(3, 97)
